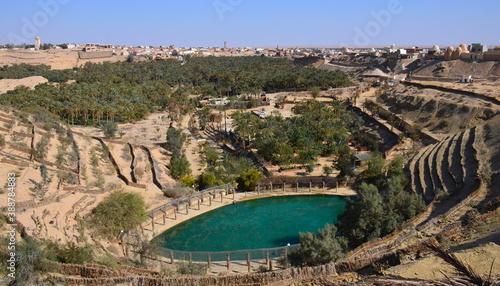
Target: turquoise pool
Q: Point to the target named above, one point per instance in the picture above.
(254, 224)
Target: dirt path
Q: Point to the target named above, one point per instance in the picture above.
(191, 148)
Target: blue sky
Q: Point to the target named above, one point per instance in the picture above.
(251, 22)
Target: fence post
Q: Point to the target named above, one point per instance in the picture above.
(297, 187)
(171, 257)
(234, 193)
(142, 229)
(228, 262)
(126, 251)
(270, 265)
(208, 260)
(153, 223)
(190, 257)
(248, 262)
(198, 204)
(267, 257)
(271, 184)
(310, 187)
(210, 199)
(163, 218)
(336, 186)
(284, 187)
(175, 214)
(221, 197)
(323, 186)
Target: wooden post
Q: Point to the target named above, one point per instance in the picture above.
(164, 218)
(286, 253)
(210, 199)
(271, 184)
(270, 265)
(142, 229)
(258, 190)
(187, 208)
(337, 187)
(323, 186)
(297, 187)
(175, 214)
(171, 257)
(198, 204)
(208, 261)
(248, 262)
(190, 257)
(234, 193)
(310, 187)
(267, 257)
(228, 262)
(221, 197)
(153, 223)
(126, 251)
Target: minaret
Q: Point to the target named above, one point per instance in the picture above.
(225, 45)
(37, 43)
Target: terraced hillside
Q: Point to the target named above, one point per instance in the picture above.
(81, 169)
(450, 166)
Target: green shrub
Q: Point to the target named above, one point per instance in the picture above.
(118, 211)
(193, 269)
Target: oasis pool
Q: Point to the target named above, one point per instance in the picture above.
(254, 224)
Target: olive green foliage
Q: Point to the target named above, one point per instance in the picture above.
(321, 248)
(118, 211)
(109, 128)
(187, 181)
(29, 265)
(127, 91)
(212, 155)
(69, 253)
(382, 204)
(146, 248)
(247, 180)
(206, 180)
(224, 171)
(193, 269)
(2, 141)
(179, 167)
(175, 139)
(344, 163)
(318, 129)
(41, 148)
(315, 92)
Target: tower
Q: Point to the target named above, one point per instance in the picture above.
(225, 45)
(37, 44)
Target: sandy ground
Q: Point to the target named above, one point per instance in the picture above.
(31, 82)
(56, 59)
(488, 88)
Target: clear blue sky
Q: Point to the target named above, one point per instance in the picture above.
(251, 22)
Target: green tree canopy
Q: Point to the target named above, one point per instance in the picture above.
(247, 180)
(118, 211)
(317, 249)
